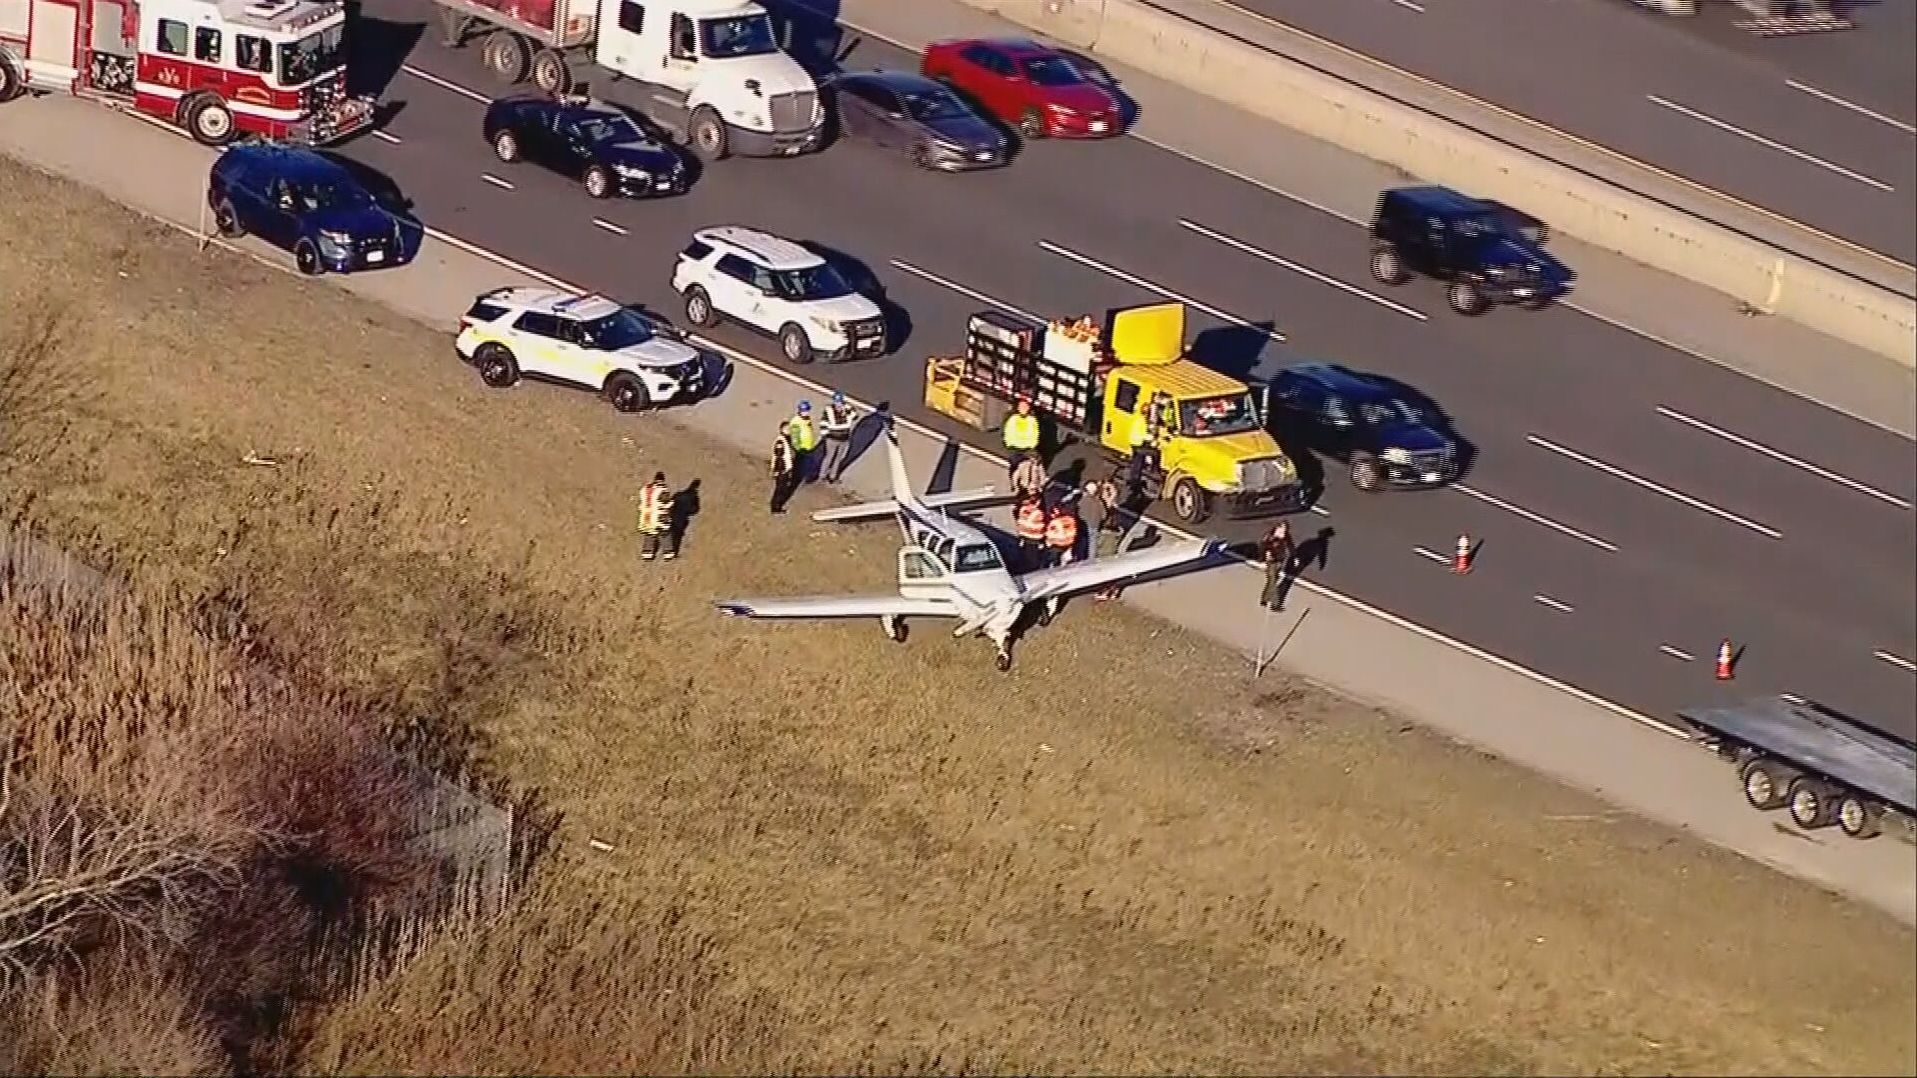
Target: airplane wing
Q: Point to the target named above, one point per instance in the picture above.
(836, 606)
(958, 500)
(1087, 575)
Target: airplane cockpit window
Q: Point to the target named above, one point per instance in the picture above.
(916, 564)
(971, 559)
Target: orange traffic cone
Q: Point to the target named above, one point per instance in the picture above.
(1726, 658)
(1461, 560)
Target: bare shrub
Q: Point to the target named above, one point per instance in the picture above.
(36, 389)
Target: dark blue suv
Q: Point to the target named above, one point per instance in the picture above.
(305, 202)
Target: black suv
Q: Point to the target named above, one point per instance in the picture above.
(1388, 436)
(1487, 251)
(606, 150)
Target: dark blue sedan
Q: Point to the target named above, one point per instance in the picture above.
(604, 149)
(303, 201)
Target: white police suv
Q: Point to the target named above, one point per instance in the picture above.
(580, 340)
(778, 288)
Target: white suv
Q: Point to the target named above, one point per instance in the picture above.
(780, 289)
(589, 341)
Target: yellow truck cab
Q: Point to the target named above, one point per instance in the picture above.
(1111, 388)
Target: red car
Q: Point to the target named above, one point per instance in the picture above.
(1034, 88)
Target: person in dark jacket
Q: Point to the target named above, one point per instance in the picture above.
(1280, 556)
(785, 471)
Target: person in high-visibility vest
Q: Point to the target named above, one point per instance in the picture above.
(656, 526)
(1021, 430)
(835, 437)
(1029, 524)
(804, 438)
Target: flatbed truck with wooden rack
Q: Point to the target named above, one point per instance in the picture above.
(1213, 451)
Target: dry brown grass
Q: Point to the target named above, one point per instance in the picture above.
(830, 855)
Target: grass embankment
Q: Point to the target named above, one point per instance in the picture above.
(829, 853)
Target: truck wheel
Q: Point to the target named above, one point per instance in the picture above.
(794, 344)
(1191, 503)
(497, 367)
(1464, 298)
(699, 308)
(506, 146)
(11, 84)
(1386, 267)
(306, 258)
(227, 220)
(1860, 817)
(551, 73)
(1366, 475)
(1813, 804)
(1765, 783)
(707, 133)
(210, 122)
(598, 181)
(507, 57)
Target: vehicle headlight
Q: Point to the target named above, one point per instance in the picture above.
(334, 238)
(1060, 110)
(632, 172)
(1396, 455)
(948, 146)
(830, 325)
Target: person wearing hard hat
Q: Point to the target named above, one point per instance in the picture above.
(655, 520)
(1021, 431)
(835, 438)
(804, 437)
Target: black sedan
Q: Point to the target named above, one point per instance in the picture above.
(926, 121)
(603, 148)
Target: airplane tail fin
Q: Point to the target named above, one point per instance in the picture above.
(902, 492)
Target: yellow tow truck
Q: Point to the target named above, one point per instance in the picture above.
(1103, 385)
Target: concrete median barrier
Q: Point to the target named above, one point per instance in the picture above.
(1767, 279)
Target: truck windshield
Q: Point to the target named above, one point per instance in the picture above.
(742, 35)
(622, 328)
(972, 559)
(1208, 417)
(813, 282)
(308, 58)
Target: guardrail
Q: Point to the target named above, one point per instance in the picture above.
(1838, 289)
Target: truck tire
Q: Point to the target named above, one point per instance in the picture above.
(1387, 267)
(1366, 474)
(11, 84)
(627, 394)
(551, 73)
(226, 220)
(507, 57)
(497, 367)
(699, 308)
(1859, 816)
(209, 121)
(1766, 783)
(1813, 803)
(707, 134)
(1191, 503)
(1465, 298)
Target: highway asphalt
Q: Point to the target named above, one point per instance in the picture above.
(1816, 127)
(1608, 530)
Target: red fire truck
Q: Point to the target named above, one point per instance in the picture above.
(218, 68)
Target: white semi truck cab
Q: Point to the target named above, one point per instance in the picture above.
(712, 71)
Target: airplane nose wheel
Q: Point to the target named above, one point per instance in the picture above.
(895, 629)
(1004, 661)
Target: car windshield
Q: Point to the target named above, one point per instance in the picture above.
(1390, 412)
(972, 559)
(622, 328)
(600, 130)
(312, 56)
(745, 35)
(1052, 71)
(934, 105)
(1233, 413)
(327, 195)
(813, 282)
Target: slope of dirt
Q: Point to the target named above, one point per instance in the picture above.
(806, 849)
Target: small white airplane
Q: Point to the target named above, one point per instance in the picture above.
(949, 568)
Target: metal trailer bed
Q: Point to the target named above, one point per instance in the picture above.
(1825, 765)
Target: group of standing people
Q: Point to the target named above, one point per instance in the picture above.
(805, 448)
